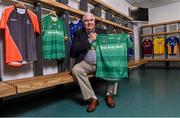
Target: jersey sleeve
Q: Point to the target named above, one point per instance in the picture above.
(3, 20)
(71, 31)
(163, 40)
(43, 23)
(166, 42)
(35, 21)
(5, 16)
(36, 25)
(151, 44)
(154, 41)
(129, 43)
(177, 40)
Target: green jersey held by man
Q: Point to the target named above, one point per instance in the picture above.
(111, 56)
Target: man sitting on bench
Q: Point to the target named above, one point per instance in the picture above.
(86, 62)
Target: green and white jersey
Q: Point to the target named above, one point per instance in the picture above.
(54, 34)
(111, 56)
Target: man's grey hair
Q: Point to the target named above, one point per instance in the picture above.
(88, 14)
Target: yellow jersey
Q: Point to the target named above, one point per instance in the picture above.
(159, 45)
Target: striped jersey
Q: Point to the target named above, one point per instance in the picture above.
(54, 34)
(111, 56)
(21, 26)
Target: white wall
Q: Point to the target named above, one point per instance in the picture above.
(120, 5)
(164, 13)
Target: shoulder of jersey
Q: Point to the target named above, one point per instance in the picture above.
(32, 13)
(45, 16)
(9, 8)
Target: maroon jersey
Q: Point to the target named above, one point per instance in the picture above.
(147, 47)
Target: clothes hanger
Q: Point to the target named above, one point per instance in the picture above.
(159, 36)
(53, 12)
(20, 5)
(75, 18)
(114, 31)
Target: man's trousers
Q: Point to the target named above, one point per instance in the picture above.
(80, 72)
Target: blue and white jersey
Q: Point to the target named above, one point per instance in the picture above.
(74, 26)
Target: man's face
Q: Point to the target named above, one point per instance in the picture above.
(89, 22)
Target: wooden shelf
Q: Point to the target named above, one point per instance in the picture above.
(114, 24)
(146, 35)
(162, 23)
(107, 7)
(162, 33)
(60, 6)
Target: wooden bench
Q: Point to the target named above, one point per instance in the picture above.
(162, 60)
(41, 82)
(135, 64)
(13, 87)
(7, 89)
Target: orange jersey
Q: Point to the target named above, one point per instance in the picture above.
(20, 26)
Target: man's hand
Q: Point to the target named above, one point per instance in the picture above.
(93, 36)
